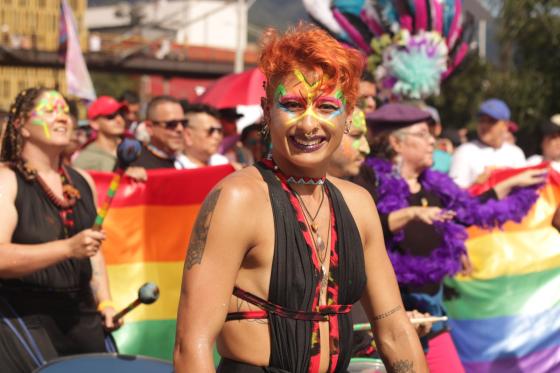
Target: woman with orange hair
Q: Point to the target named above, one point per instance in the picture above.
(279, 252)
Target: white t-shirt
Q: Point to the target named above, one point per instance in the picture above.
(474, 158)
(183, 162)
(538, 159)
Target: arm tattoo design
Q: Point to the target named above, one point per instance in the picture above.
(387, 314)
(199, 233)
(402, 366)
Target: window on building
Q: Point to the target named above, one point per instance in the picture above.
(6, 88)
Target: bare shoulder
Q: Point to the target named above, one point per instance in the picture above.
(8, 182)
(244, 187)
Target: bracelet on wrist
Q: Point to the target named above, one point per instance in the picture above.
(105, 304)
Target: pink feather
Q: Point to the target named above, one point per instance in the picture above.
(421, 14)
(351, 31)
(458, 58)
(406, 22)
(371, 23)
(437, 16)
(455, 29)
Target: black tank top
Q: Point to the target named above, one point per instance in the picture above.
(39, 222)
(294, 280)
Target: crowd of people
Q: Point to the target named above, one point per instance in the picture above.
(357, 202)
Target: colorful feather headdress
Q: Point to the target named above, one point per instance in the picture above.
(412, 45)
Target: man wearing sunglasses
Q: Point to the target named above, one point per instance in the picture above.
(202, 137)
(106, 118)
(165, 123)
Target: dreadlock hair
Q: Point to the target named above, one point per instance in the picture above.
(12, 142)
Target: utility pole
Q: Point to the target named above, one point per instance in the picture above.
(241, 36)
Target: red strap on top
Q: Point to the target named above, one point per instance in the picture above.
(322, 313)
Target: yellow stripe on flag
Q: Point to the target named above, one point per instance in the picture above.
(126, 279)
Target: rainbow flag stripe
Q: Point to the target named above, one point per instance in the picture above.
(148, 228)
(506, 317)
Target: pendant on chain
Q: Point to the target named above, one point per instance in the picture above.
(320, 245)
(324, 278)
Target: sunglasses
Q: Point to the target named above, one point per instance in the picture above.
(172, 124)
(210, 131)
(113, 115)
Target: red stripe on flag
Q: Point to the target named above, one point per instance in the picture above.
(164, 186)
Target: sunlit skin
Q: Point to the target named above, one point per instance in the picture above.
(415, 146)
(306, 122)
(551, 147)
(348, 158)
(492, 132)
(50, 105)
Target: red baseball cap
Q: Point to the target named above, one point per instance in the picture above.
(104, 105)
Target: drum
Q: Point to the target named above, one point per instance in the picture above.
(106, 363)
(366, 365)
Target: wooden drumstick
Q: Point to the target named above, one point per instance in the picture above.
(414, 321)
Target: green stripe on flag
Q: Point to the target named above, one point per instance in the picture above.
(504, 296)
(149, 338)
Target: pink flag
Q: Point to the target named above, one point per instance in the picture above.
(77, 76)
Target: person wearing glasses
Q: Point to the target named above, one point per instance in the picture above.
(203, 136)
(106, 118)
(424, 213)
(165, 123)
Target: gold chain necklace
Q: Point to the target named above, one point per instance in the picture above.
(318, 242)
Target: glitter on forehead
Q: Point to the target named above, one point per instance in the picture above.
(303, 79)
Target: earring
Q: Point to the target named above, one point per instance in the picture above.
(265, 131)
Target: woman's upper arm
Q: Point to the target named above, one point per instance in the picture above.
(8, 212)
(381, 299)
(221, 236)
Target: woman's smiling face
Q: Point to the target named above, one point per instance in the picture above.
(307, 118)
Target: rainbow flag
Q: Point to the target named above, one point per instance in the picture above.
(506, 317)
(148, 228)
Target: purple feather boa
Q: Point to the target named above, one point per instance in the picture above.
(393, 193)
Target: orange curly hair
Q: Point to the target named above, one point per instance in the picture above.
(309, 47)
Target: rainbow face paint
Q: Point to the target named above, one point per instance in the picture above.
(50, 105)
(309, 102)
(359, 130)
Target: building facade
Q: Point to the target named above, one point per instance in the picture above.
(33, 25)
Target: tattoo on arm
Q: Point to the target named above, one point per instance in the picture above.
(200, 230)
(387, 314)
(402, 366)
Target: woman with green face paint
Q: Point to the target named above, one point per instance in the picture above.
(52, 273)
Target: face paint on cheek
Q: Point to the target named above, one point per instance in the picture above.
(51, 104)
(359, 120)
(37, 121)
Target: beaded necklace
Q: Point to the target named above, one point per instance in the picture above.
(66, 204)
